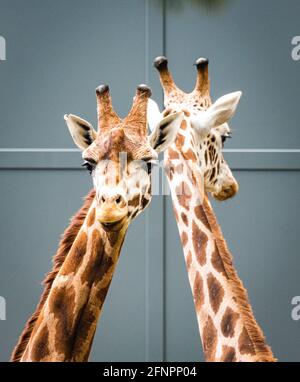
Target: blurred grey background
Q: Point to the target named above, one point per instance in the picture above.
(57, 53)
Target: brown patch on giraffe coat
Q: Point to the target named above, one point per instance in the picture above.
(245, 344)
(215, 291)
(199, 242)
(212, 175)
(205, 158)
(183, 125)
(186, 113)
(217, 261)
(76, 255)
(113, 237)
(91, 218)
(86, 331)
(172, 153)
(188, 260)
(179, 169)
(199, 212)
(228, 322)
(198, 292)
(209, 340)
(228, 354)
(96, 249)
(144, 203)
(184, 238)
(184, 218)
(190, 155)
(134, 202)
(40, 348)
(184, 195)
(62, 305)
(179, 141)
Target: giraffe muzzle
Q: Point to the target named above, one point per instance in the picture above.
(112, 211)
(227, 191)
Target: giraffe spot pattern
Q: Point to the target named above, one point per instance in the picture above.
(93, 266)
(179, 141)
(179, 169)
(91, 218)
(187, 114)
(209, 340)
(245, 344)
(188, 260)
(198, 292)
(75, 257)
(172, 153)
(134, 202)
(190, 155)
(86, 330)
(183, 125)
(40, 344)
(184, 218)
(199, 243)
(184, 238)
(228, 354)
(199, 212)
(144, 203)
(215, 292)
(62, 305)
(217, 261)
(113, 236)
(184, 195)
(228, 322)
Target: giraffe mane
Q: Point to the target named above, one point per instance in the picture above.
(263, 351)
(65, 244)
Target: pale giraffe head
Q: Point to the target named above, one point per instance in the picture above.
(120, 154)
(204, 129)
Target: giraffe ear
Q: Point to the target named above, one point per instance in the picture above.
(81, 131)
(163, 135)
(218, 113)
(153, 114)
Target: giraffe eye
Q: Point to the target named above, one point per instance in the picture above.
(149, 167)
(224, 137)
(89, 166)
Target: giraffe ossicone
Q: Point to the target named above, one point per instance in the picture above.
(63, 325)
(194, 165)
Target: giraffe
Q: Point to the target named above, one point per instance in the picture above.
(194, 164)
(119, 158)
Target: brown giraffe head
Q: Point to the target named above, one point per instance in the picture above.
(204, 129)
(120, 154)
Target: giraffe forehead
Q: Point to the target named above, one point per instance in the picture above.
(109, 146)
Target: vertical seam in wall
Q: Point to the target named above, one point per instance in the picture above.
(164, 208)
(146, 15)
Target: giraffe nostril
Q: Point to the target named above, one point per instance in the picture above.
(103, 199)
(119, 200)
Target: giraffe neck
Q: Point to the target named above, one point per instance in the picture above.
(228, 329)
(66, 325)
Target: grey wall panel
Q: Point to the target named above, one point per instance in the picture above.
(261, 226)
(57, 53)
(249, 47)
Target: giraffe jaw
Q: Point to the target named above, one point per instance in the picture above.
(115, 225)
